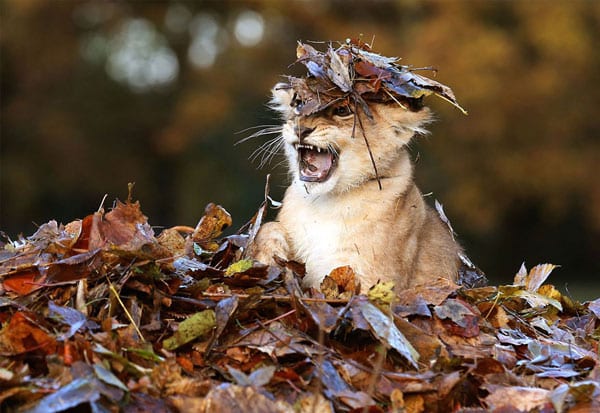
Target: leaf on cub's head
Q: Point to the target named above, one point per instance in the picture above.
(353, 71)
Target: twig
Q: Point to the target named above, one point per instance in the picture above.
(276, 297)
(362, 129)
(183, 228)
(114, 291)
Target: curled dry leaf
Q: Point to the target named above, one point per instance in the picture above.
(210, 226)
(345, 278)
(533, 280)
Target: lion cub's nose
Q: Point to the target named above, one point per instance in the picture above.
(302, 131)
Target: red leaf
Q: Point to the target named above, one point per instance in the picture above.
(366, 69)
(23, 282)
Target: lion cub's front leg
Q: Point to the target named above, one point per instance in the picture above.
(270, 242)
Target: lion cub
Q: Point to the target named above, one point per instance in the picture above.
(349, 204)
(352, 200)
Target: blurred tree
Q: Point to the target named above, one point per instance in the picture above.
(96, 94)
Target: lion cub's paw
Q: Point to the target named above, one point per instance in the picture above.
(270, 242)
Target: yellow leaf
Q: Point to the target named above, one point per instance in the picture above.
(382, 292)
(239, 266)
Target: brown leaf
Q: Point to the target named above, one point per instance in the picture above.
(410, 303)
(277, 341)
(85, 233)
(173, 241)
(126, 229)
(223, 312)
(537, 276)
(495, 314)
(322, 314)
(141, 402)
(54, 238)
(487, 366)
(465, 321)
(429, 346)
(434, 292)
(73, 268)
(212, 224)
(119, 226)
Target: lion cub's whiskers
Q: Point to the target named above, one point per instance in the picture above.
(267, 150)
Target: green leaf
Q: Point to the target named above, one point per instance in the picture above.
(196, 326)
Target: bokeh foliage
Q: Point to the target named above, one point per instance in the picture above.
(97, 94)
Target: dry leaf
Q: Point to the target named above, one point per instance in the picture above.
(520, 398)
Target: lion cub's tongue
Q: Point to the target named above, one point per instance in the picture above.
(315, 166)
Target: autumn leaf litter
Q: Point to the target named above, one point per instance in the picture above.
(105, 314)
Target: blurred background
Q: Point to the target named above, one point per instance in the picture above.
(96, 94)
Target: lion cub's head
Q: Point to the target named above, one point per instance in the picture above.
(343, 146)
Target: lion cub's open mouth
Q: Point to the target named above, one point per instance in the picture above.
(315, 164)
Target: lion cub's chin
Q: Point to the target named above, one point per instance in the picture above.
(327, 187)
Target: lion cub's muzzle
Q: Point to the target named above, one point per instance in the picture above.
(315, 164)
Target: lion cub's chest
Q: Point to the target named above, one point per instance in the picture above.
(330, 232)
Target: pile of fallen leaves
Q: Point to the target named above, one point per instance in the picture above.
(102, 315)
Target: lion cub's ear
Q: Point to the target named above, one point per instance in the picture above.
(282, 99)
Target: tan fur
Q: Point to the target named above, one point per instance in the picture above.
(386, 234)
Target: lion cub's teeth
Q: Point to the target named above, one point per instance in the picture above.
(298, 146)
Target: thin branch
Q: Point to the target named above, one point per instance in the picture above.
(356, 116)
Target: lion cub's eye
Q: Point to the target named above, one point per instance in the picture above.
(342, 111)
